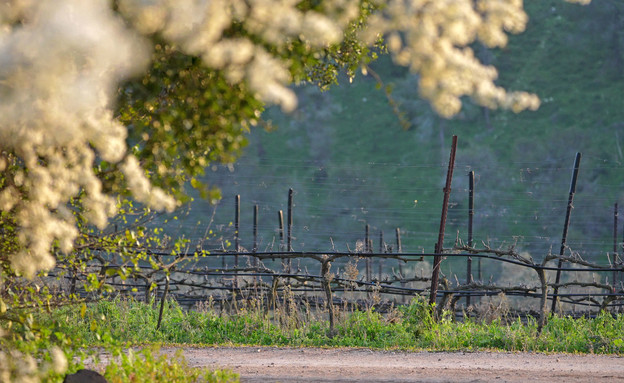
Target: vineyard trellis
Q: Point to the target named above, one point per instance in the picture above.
(197, 274)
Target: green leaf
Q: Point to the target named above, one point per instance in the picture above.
(111, 272)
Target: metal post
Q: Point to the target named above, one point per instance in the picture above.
(381, 250)
(236, 226)
(437, 259)
(469, 279)
(622, 243)
(290, 224)
(367, 249)
(255, 240)
(615, 245)
(280, 218)
(236, 234)
(566, 225)
(255, 230)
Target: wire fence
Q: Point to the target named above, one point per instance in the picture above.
(365, 280)
(521, 203)
(253, 255)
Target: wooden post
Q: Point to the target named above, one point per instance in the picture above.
(325, 266)
(399, 250)
(437, 259)
(162, 303)
(566, 225)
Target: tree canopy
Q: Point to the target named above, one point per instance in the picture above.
(105, 99)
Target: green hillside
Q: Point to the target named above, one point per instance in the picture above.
(350, 162)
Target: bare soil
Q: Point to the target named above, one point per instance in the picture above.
(286, 365)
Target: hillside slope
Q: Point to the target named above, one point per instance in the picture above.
(350, 163)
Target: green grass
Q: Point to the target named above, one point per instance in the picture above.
(148, 366)
(410, 328)
(31, 352)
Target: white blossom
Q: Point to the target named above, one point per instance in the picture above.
(59, 361)
(59, 70)
(432, 38)
(61, 62)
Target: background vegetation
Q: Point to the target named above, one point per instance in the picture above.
(351, 161)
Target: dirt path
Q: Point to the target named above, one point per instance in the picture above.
(265, 364)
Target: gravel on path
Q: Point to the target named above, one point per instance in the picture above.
(287, 365)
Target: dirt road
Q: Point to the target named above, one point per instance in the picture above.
(286, 365)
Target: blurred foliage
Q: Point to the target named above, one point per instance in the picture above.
(131, 251)
(183, 117)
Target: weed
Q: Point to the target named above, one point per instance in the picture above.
(493, 308)
(148, 365)
(413, 326)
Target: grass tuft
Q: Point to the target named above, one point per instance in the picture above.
(408, 327)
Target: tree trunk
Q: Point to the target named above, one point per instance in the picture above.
(325, 266)
(543, 300)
